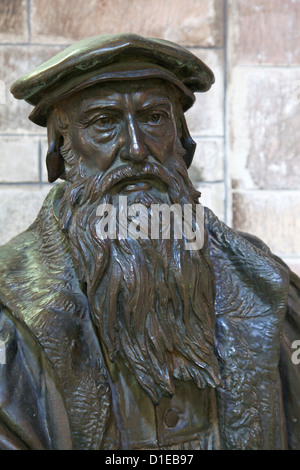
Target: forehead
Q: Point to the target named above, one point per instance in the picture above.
(141, 93)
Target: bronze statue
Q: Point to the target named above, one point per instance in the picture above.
(135, 342)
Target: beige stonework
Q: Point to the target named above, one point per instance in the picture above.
(14, 62)
(44, 149)
(272, 216)
(19, 160)
(206, 115)
(13, 21)
(264, 32)
(262, 125)
(192, 22)
(293, 264)
(213, 196)
(19, 206)
(208, 162)
(263, 128)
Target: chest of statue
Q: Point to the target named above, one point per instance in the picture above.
(187, 420)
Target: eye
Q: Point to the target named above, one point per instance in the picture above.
(154, 118)
(104, 123)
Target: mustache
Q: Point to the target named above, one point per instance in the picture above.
(89, 190)
(83, 188)
(104, 183)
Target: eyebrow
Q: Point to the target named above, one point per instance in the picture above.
(99, 106)
(153, 102)
(156, 101)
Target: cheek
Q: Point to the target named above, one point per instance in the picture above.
(162, 146)
(95, 153)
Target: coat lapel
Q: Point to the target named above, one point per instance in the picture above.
(251, 302)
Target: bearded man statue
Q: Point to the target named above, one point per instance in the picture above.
(138, 341)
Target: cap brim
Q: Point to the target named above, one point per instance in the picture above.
(82, 65)
(40, 112)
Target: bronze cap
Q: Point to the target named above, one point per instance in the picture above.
(108, 58)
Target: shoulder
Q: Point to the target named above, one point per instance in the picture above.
(244, 254)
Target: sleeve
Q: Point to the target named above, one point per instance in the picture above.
(289, 364)
(19, 407)
(28, 398)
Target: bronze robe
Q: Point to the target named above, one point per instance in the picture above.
(54, 387)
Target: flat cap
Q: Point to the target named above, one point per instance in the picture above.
(109, 58)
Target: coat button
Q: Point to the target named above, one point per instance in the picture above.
(171, 418)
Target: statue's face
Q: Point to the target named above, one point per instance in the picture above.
(116, 124)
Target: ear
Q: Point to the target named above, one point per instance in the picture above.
(187, 142)
(54, 161)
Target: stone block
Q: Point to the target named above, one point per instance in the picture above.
(293, 264)
(208, 162)
(19, 206)
(192, 22)
(273, 216)
(213, 196)
(264, 32)
(44, 149)
(14, 62)
(207, 114)
(263, 128)
(13, 21)
(19, 160)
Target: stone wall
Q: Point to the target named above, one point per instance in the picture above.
(247, 159)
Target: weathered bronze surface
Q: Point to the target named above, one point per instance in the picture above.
(137, 343)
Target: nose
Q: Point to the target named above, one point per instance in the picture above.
(134, 148)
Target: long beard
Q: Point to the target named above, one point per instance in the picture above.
(152, 301)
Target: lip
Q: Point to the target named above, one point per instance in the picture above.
(138, 186)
